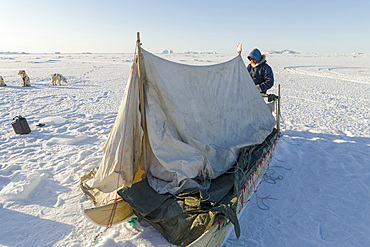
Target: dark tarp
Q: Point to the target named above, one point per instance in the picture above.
(183, 218)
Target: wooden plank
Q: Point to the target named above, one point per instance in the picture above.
(101, 215)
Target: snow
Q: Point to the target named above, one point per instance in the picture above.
(318, 191)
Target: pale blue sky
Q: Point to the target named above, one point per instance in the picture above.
(320, 26)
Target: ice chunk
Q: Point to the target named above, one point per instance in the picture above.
(51, 120)
(21, 186)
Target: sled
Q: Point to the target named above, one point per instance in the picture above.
(254, 133)
(216, 234)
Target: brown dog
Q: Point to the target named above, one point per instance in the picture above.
(25, 78)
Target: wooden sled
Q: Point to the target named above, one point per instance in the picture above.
(211, 238)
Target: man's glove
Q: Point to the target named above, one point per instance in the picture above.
(272, 97)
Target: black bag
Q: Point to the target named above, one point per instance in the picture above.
(20, 125)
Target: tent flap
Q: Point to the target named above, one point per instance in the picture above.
(122, 150)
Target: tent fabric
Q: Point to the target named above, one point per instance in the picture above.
(197, 117)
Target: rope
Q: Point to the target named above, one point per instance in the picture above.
(283, 167)
(95, 240)
(262, 200)
(113, 212)
(277, 159)
(121, 158)
(269, 178)
(294, 144)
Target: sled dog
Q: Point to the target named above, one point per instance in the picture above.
(25, 78)
(57, 78)
(2, 83)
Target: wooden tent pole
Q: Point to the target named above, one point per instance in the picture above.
(142, 102)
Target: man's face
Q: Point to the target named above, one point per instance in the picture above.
(253, 62)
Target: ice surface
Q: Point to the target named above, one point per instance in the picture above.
(322, 201)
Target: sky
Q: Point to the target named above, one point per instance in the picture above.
(110, 26)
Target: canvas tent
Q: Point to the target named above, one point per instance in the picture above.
(197, 119)
(178, 133)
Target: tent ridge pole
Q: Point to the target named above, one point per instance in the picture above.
(138, 38)
(142, 103)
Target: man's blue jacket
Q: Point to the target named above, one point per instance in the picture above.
(261, 73)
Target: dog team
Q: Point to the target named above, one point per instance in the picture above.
(26, 80)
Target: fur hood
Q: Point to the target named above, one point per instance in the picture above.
(255, 54)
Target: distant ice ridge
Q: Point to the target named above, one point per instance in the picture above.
(12, 52)
(204, 52)
(167, 52)
(282, 52)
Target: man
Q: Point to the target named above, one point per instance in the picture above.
(260, 71)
